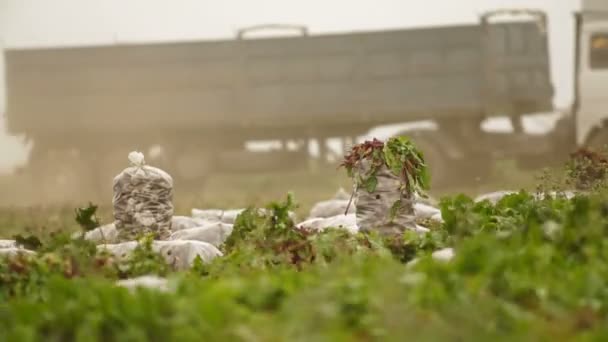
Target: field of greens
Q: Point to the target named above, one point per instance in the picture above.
(531, 267)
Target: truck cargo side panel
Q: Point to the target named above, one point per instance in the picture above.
(369, 78)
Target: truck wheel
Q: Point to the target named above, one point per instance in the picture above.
(110, 163)
(438, 166)
(60, 177)
(189, 168)
(598, 139)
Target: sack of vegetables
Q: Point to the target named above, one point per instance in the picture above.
(386, 178)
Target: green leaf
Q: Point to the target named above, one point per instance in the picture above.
(370, 183)
(399, 150)
(425, 179)
(86, 218)
(28, 242)
(393, 160)
(395, 208)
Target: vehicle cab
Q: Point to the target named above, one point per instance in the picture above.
(591, 82)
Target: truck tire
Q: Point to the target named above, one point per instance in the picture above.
(438, 165)
(464, 168)
(598, 139)
(189, 167)
(60, 177)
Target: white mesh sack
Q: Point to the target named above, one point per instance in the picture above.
(181, 254)
(143, 201)
(373, 210)
(104, 234)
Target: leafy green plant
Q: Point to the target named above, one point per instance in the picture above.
(255, 223)
(525, 268)
(86, 217)
(271, 232)
(406, 161)
(269, 239)
(58, 256)
(61, 255)
(368, 150)
(587, 169)
(30, 242)
(143, 261)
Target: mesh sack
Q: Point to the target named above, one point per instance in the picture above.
(373, 210)
(142, 201)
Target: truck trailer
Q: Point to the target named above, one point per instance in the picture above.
(200, 102)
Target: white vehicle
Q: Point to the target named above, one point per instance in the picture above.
(591, 107)
(585, 124)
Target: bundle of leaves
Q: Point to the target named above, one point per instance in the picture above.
(269, 237)
(398, 154)
(86, 217)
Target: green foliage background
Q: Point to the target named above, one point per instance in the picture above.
(528, 268)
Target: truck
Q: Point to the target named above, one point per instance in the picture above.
(198, 103)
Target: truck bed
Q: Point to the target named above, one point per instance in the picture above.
(366, 78)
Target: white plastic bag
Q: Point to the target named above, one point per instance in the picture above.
(214, 233)
(331, 208)
(142, 201)
(424, 211)
(217, 215)
(152, 282)
(104, 234)
(14, 251)
(340, 221)
(8, 244)
(184, 222)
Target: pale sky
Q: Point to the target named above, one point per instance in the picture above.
(77, 22)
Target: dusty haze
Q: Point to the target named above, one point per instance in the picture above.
(82, 22)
